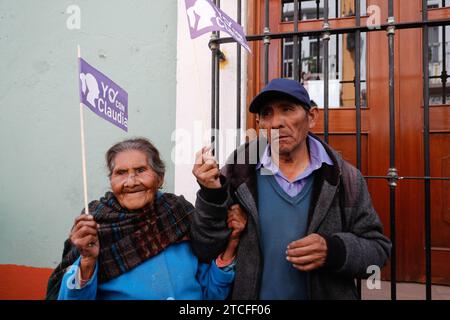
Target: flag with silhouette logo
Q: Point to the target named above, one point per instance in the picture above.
(204, 16)
(102, 95)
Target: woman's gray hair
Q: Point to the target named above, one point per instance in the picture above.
(140, 144)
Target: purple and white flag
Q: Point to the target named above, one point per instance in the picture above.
(204, 17)
(103, 96)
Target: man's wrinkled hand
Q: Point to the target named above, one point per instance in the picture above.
(308, 253)
(206, 169)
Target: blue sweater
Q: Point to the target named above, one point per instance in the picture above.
(175, 273)
(283, 219)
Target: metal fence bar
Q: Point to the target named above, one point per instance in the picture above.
(336, 9)
(217, 104)
(337, 57)
(213, 46)
(358, 84)
(337, 44)
(426, 151)
(409, 178)
(362, 28)
(238, 79)
(300, 47)
(444, 74)
(358, 96)
(295, 46)
(318, 38)
(392, 168)
(326, 89)
(266, 41)
(217, 90)
(351, 81)
(444, 63)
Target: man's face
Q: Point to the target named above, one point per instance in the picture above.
(287, 124)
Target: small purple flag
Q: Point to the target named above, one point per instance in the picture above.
(204, 17)
(103, 96)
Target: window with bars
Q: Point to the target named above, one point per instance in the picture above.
(314, 9)
(439, 56)
(341, 70)
(437, 4)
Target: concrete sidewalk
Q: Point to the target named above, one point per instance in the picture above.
(405, 291)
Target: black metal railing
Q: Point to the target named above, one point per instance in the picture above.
(323, 35)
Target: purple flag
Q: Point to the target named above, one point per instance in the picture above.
(204, 17)
(103, 96)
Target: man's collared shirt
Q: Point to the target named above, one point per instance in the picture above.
(317, 155)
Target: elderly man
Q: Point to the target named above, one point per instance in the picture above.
(312, 228)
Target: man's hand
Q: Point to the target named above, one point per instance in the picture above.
(206, 169)
(84, 236)
(308, 253)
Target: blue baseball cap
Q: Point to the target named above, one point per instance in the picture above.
(284, 89)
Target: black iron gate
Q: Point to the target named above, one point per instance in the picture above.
(324, 35)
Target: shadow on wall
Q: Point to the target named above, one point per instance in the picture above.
(23, 283)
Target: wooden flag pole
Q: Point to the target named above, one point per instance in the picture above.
(83, 149)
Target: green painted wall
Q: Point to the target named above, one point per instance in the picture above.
(132, 42)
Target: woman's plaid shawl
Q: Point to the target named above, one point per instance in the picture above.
(128, 238)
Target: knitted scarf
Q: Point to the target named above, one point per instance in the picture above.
(128, 238)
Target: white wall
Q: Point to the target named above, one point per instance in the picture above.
(194, 97)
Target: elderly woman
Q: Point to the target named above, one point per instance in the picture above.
(135, 245)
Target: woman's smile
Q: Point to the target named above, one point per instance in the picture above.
(133, 182)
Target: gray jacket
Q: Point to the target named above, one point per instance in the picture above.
(341, 211)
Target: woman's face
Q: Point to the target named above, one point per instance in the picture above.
(133, 182)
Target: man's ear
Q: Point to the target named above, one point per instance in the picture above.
(313, 116)
(257, 119)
